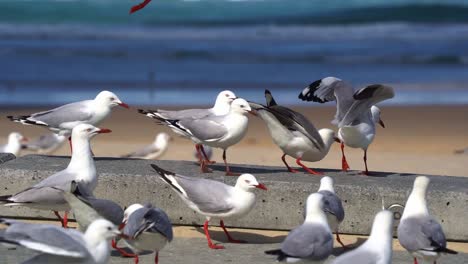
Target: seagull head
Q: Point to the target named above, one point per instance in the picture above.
(102, 229)
(129, 211)
(241, 106)
(109, 99)
(162, 139)
(328, 136)
(376, 116)
(226, 97)
(248, 182)
(420, 186)
(16, 137)
(87, 131)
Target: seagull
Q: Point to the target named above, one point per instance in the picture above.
(418, 232)
(45, 144)
(47, 194)
(148, 229)
(63, 119)
(356, 113)
(153, 151)
(14, 144)
(332, 206)
(214, 199)
(221, 107)
(208, 152)
(215, 131)
(378, 248)
(294, 134)
(58, 245)
(312, 241)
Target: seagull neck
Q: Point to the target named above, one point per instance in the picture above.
(416, 204)
(381, 233)
(318, 217)
(97, 246)
(81, 154)
(326, 186)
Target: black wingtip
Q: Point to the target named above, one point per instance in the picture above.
(5, 198)
(161, 171)
(141, 111)
(267, 91)
(308, 93)
(449, 251)
(277, 252)
(366, 92)
(12, 118)
(270, 101)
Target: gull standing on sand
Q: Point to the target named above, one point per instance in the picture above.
(45, 144)
(48, 194)
(13, 145)
(148, 229)
(294, 134)
(332, 206)
(215, 131)
(58, 245)
(221, 107)
(418, 232)
(214, 199)
(312, 241)
(63, 119)
(153, 151)
(378, 247)
(356, 113)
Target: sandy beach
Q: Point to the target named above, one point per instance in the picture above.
(417, 139)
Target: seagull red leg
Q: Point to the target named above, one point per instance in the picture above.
(339, 241)
(206, 156)
(70, 142)
(60, 218)
(415, 261)
(287, 166)
(230, 239)
(65, 220)
(139, 6)
(344, 163)
(228, 171)
(156, 258)
(122, 252)
(309, 170)
(203, 166)
(208, 238)
(365, 162)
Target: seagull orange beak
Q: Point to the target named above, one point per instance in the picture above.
(381, 123)
(261, 186)
(124, 105)
(104, 130)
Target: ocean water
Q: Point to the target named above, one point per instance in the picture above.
(184, 52)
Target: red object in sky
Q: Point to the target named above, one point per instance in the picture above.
(139, 6)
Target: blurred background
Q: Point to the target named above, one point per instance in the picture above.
(177, 53)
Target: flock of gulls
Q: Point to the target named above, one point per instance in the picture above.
(142, 227)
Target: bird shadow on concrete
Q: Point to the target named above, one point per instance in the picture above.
(338, 249)
(115, 253)
(250, 238)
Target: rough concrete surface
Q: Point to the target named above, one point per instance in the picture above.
(4, 157)
(128, 181)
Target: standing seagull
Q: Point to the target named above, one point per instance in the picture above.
(215, 131)
(58, 245)
(312, 241)
(48, 194)
(213, 198)
(294, 134)
(63, 119)
(13, 145)
(418, 231)
(356, 113)
(148, 229)
(378, 248)
(153, 151)
(221, 107)
(332, 206)
(45, 144)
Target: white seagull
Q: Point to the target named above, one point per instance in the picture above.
(332, 206)
(221, 107)
(153, 151)
(148, 229)
(214, 199)
(13, 145)
(294, 134)
(63, 119)
(378, 247)
(215, 131)
(58, 245)
(45, 144)
(418, 232)
(48, 194)
(356, 113)
(312, 241)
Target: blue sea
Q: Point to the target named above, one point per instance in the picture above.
(185, 51)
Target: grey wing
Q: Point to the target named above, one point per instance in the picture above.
(43, 142)
(358, 256)
(47, 239)
(295, 121)
(67, 113)
(421, 234)
(206, 129)
(184, 114)
(308, 241)
(143, 152)
(364, 99)
(434, 232)
(209, 196)
(332, 204)
(107, 209)
(149, 220)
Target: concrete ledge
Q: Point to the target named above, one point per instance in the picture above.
(127, 181)
(4, 157)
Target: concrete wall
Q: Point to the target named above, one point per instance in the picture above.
(281, 207)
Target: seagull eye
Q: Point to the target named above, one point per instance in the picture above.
(227, 95)
(247, 181)
(89, 130)
(242, 106)
(109, 228)
(112, 98)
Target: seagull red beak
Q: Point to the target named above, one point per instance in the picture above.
(24, 139)
(381, 123)
(253, 112)
(261, 186)
(104, 130)
(121, 226)
(124, 105)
